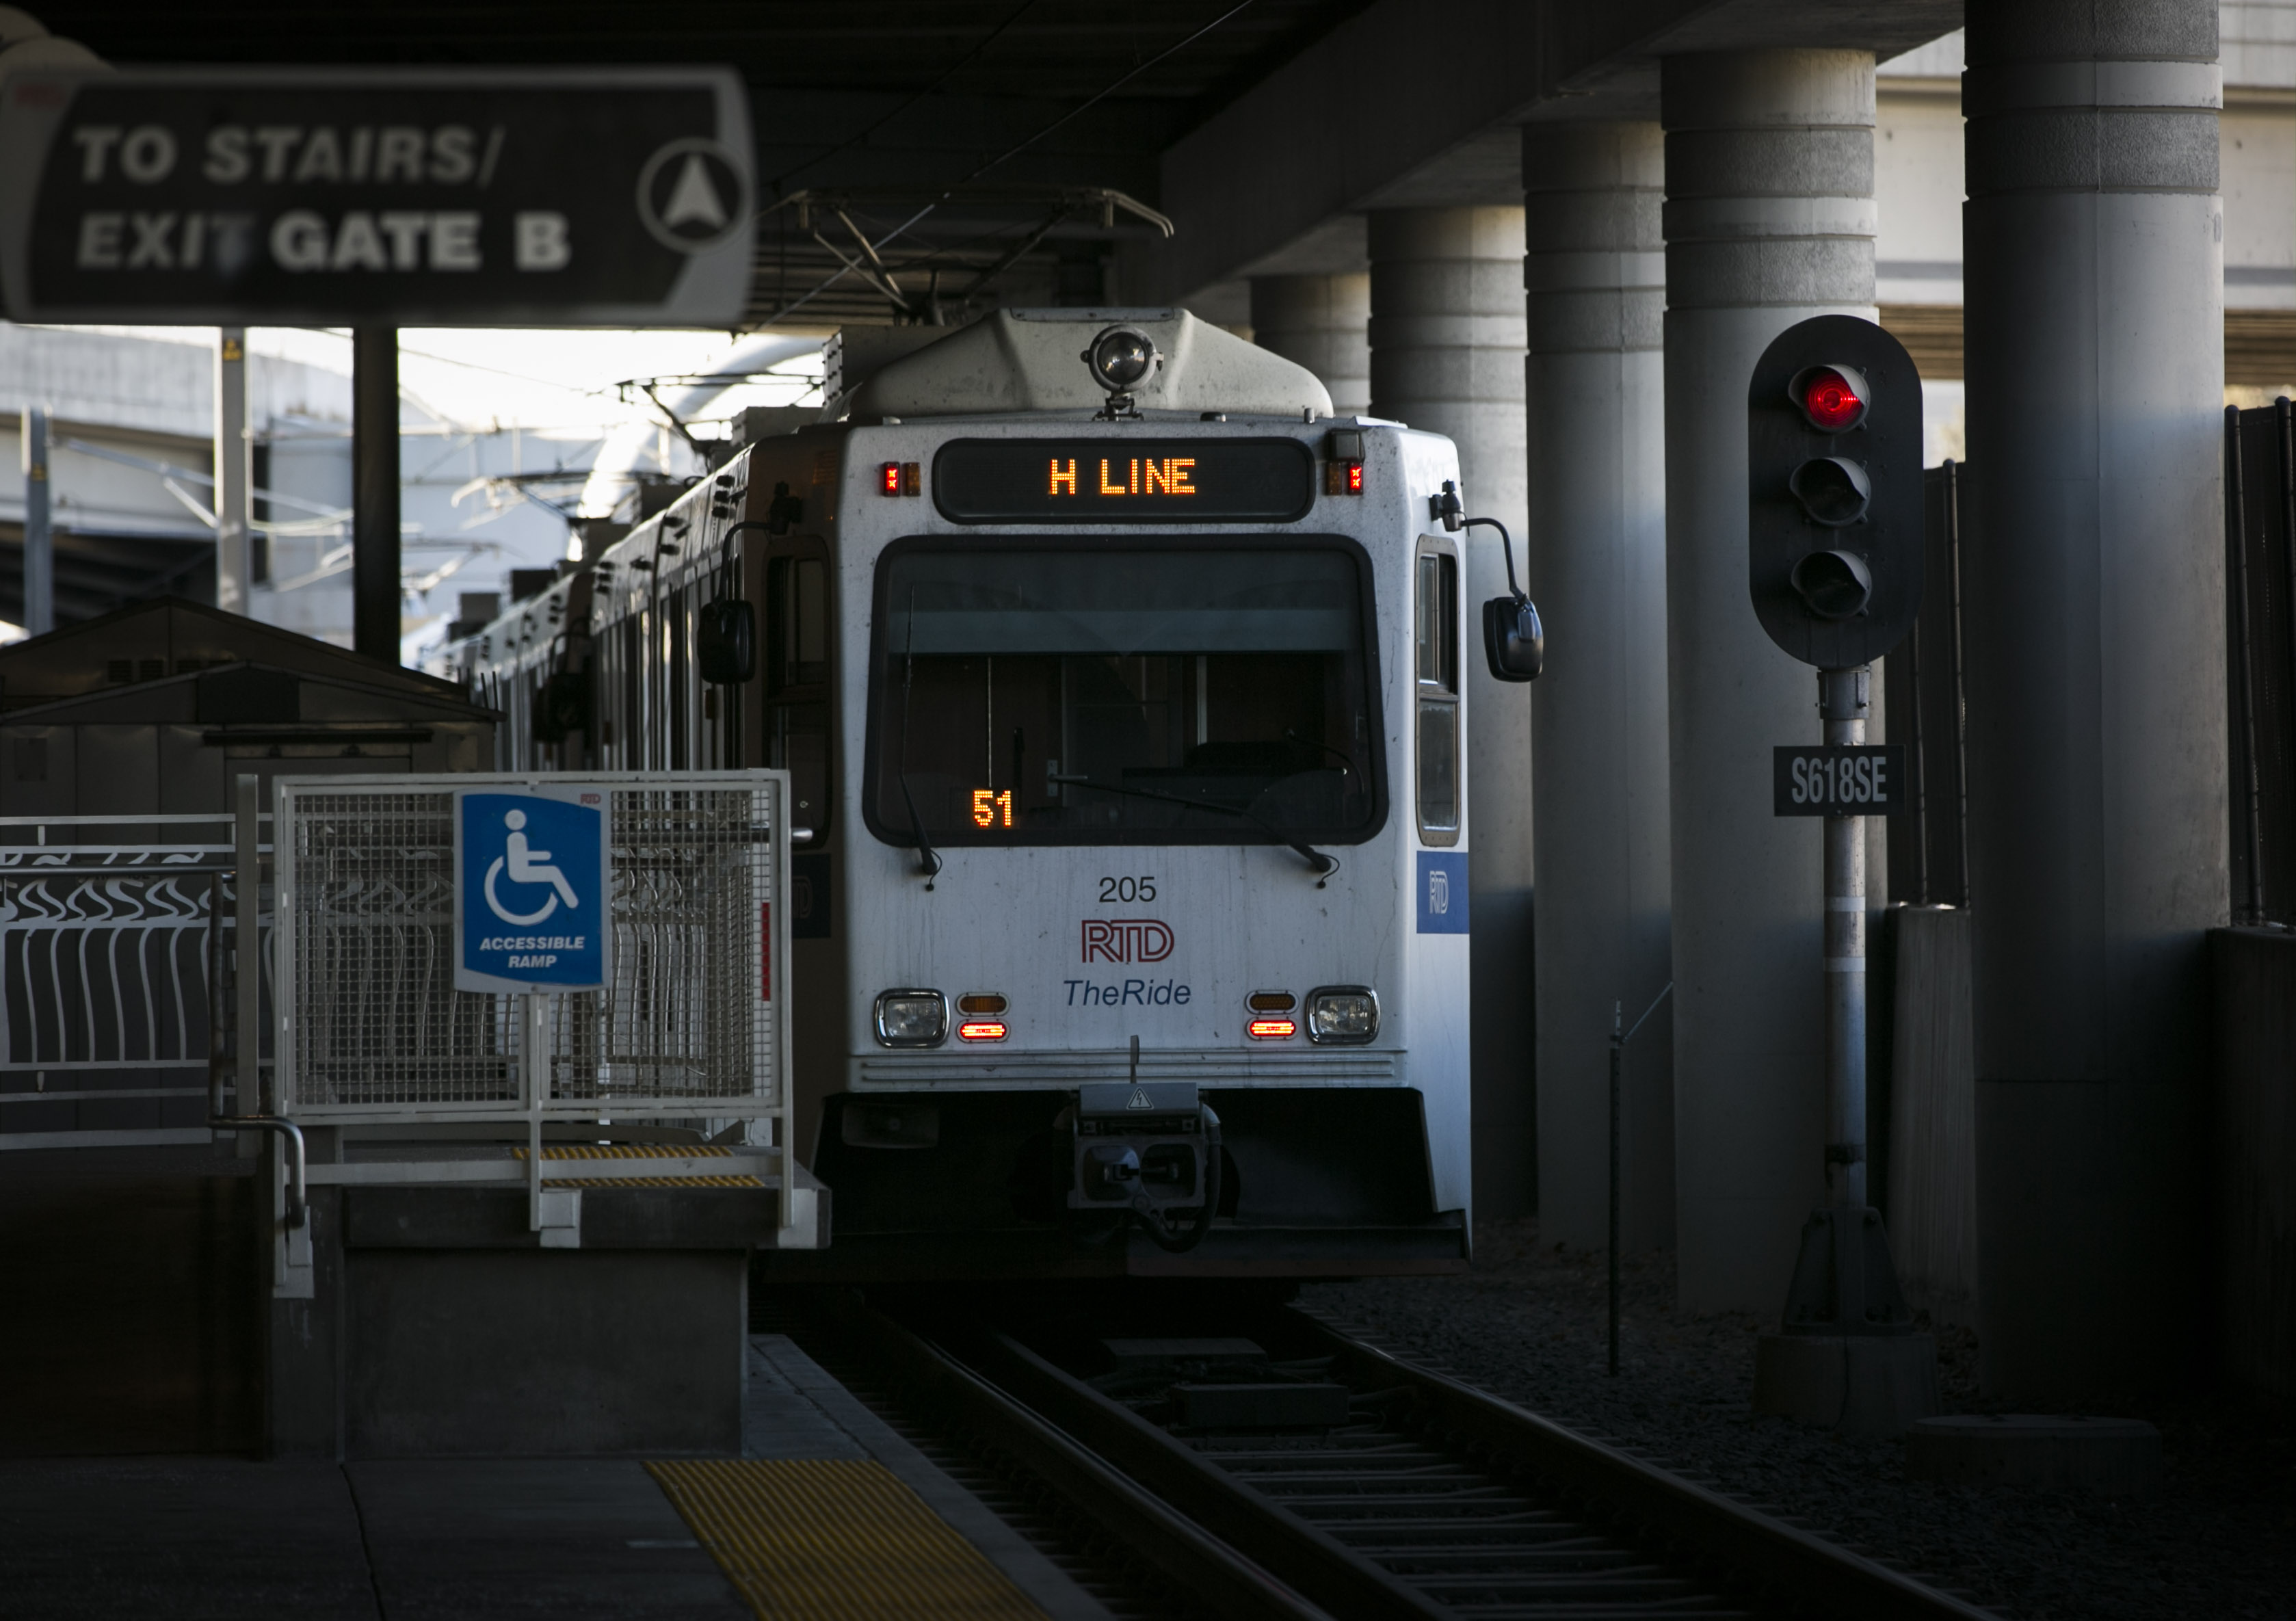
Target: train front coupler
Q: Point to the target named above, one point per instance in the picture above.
(1151, 1149)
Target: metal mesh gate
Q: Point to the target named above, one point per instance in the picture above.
(691, 1027)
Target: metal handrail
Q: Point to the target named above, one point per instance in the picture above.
(297, 1192)
(156, 819)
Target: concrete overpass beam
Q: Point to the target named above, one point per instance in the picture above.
(1446, 353)
(1322, 323)
(2095, 623)
(1596, 274)
(1770, 220)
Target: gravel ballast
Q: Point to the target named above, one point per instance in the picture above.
(1528, 1324)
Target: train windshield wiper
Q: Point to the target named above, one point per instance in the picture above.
(1325, 866)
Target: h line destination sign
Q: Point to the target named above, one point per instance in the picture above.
(240, 196)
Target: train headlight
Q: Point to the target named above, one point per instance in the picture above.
(1120, 358)
(1342, 1015)
(912, 1018)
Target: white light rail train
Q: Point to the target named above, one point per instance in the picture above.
(1120, 685)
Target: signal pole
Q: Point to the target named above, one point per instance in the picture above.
(1843, 699)
(1834, 546)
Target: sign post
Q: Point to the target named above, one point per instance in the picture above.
(376, 197)
(530, 917)
(1834, 569)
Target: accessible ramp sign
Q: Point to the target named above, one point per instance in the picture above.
(402, 197)
(532, 885)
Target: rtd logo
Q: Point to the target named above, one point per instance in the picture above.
(1126, 940)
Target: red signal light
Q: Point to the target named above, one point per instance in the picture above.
(982, 1029)
(890, 478)
(1273, 1029)
(1355, 477)
(1833, 397)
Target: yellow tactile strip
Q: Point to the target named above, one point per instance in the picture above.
(641, 1151)
(835, 1539)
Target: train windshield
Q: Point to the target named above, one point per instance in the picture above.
(1143, 694)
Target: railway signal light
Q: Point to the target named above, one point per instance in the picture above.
(1834, 531)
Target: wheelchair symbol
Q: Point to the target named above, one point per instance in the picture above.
(527, 867)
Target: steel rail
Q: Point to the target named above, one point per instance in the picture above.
(1788, 1562)
(1321, 1566)
(1328, 1525)
(1213, 1573)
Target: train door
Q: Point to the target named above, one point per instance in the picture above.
(797, 720)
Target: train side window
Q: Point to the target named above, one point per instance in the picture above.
(1435, 624)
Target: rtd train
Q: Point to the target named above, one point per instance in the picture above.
(1121, 688)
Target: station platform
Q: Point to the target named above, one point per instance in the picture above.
(827, 1514)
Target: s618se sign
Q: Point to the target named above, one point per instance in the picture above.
(1840, 781)
(238, 196)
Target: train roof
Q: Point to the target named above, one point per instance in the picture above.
(1031, 360)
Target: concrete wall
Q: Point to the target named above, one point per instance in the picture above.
(489, 1353)
(130, 1278)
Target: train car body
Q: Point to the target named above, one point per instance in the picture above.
(1129, 909)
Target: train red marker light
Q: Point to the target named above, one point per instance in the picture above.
(1273, 1029)
(889, 478)
(982, 1029)
(1833, 399)
(1355, 477)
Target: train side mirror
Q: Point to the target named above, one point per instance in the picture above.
(1513, 641)
(725, 641)
(561, 707)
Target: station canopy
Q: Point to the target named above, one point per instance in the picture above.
(915, 158)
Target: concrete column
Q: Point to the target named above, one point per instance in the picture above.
(1596, 272)
(235, 564)
(39, 534)
(2095, 613)
(1446, 353)
(1769, 220)
(1322, 323)
(375, 600)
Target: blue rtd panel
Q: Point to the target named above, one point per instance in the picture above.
(1442, 892)
(530, 892)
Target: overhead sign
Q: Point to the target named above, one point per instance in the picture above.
(1124, 480)
(1839, 780)
(530, 889)
(235, 196)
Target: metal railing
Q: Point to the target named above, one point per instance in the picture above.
(107, 986)
(376, 1031)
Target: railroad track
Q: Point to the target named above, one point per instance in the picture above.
(1281, 1470)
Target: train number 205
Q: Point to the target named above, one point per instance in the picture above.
(1115, 891)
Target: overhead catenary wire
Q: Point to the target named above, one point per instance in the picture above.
(1005, 156)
